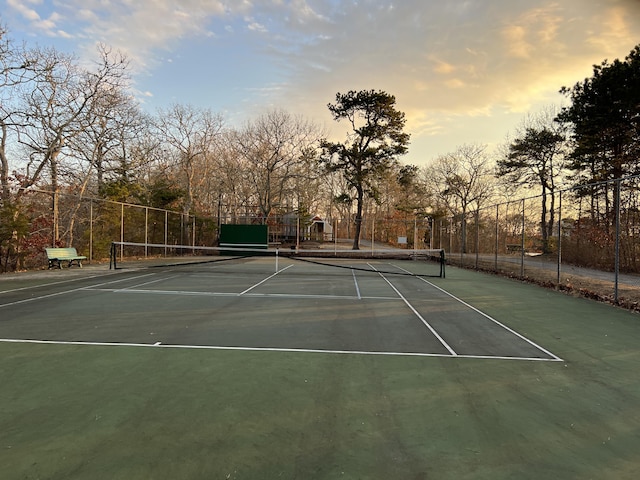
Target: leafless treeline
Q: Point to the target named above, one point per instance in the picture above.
(71, 128)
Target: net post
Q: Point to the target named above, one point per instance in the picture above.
(277, 251)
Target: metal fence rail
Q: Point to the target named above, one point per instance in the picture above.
(592, 229)
(91, 224)
(590, 240)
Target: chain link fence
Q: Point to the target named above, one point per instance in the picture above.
(586, 241)
(90, 225)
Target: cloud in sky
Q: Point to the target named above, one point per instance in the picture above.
(463, 71)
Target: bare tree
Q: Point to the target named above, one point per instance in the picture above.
(275, 149)
(234, 193)
(7, 65)
(190, 135)
(59, 107)
(17, 69)
(113, 132)
(463, 181)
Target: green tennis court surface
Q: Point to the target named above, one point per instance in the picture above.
(245, 370)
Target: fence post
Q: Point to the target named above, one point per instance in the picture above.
(146, 232)
(373, 233)
(617, 261)
(497, 237)
(166, 231)
(431, 233)
(90, 230)
(522, 241)
(463, 237)
(477, 238)
(55, 207)
(122, 231)
(559, 238)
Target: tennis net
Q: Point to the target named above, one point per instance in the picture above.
(252, 257)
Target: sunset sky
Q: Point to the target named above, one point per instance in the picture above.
(463, 71)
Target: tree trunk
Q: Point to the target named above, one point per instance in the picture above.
(358, 222)
(543, 222)
(463, 230)
(551, 217)
(4, 166)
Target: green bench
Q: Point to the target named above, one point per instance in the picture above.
(58, 255)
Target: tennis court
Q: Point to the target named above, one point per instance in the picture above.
(289, 368)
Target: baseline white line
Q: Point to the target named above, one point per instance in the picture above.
(269, 349)
(433, 331)
(489, 317)
(265, 280)
(32, 299)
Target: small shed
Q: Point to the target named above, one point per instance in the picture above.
(313, 228)
(320, 229)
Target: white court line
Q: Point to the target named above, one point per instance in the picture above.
(271, 349)
(433, 331)
(126, 289)
(266, 279)
(355, 281)
(65, 292)
(235, 294)
(489, 317)
(55, 283)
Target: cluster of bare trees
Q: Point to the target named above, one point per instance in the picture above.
(71, 128)
(67, 127)
(57, 123)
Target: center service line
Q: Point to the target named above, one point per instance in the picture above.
(355, 281)
(268, 278)
(445, 344)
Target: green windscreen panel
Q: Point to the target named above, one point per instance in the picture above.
(250, 236)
